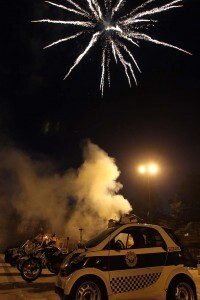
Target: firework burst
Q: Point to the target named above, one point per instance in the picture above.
(115, 27)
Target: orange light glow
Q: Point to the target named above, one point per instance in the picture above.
(149, 169)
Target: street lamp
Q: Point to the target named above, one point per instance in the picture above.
(148, 170)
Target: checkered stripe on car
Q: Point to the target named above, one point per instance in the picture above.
(131, 283)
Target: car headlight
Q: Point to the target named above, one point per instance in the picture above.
(72, 263)
(77, 259)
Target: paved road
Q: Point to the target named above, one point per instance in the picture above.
(13, 287)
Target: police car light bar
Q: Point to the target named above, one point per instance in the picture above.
(125, 219)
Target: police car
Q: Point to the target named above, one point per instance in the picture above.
(129, 260)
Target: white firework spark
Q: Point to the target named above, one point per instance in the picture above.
(107, 22)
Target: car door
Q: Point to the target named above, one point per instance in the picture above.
(136, 260)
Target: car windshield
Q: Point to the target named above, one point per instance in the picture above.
(100, 237)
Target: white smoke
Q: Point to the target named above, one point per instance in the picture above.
(84, 198)
(95, 189)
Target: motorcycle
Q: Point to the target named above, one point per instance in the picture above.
(16, 255)
(50, 257)
(12, 255)
(29, 251)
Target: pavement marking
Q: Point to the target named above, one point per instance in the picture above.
(7, 273)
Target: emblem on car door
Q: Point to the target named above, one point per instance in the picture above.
(131, 259)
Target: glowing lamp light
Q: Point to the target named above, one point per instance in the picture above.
(153, 169)
(142, 169)
(149, 169)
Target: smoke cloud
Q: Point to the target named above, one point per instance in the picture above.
(33, 194)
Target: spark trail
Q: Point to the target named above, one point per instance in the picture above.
(114, 28)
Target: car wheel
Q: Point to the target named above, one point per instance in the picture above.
(88, 289)
(181, 289)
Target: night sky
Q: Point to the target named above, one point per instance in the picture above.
(158, 120)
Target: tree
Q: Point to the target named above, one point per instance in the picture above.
(185, 207)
